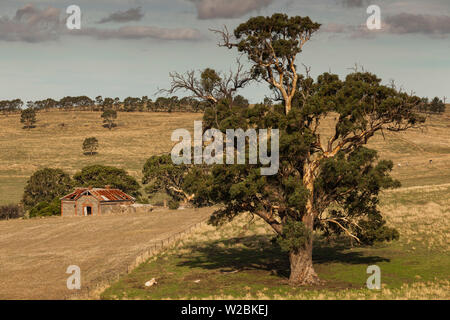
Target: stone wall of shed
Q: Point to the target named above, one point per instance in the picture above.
(68, 208)
(87, 201)
(76, 208)
(114, 207)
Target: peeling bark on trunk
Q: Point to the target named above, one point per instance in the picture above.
(302, 270)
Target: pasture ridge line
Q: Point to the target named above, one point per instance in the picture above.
(155, 249)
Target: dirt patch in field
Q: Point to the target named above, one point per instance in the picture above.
(35, 253)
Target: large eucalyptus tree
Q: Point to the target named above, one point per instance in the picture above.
(328, 180)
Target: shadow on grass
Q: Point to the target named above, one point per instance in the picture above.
(241, 253)
(259, 253)
(339, 253)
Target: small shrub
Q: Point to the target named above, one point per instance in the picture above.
(45, 209)
(159, 203)
(174, 205)
(142, 200)
(11, 211)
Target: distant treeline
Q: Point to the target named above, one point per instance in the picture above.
(145, 104)
(130, 104)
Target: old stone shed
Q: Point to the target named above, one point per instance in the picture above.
(94, 201)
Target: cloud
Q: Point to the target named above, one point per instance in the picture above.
(31, 24)
(213, 9)
(134, 14)
(399, 24)
(354, 3)
(334, 28)
(405, 23)
(141, 32)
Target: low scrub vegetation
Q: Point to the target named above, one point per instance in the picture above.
(11, 211)
(46, 209)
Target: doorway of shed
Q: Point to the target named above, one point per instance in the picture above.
(87, 211)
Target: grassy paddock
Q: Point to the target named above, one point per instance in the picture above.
(238, 261)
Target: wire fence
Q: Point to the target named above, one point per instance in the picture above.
(155, 248)
(158, 246)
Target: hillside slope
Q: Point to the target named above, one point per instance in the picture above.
(140, 135)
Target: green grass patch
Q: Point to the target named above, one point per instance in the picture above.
(235, 262)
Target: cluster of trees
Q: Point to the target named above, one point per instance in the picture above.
(46, 186)
(434, 106)
(10, 106)
(326, 185)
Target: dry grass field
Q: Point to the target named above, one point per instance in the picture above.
(137, 137)
(35, 253)
(140, 135)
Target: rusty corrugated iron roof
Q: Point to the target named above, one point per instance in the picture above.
(104, 195)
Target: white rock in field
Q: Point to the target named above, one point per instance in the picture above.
(196, 281)
(151, 282)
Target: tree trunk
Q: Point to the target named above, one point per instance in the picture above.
(288, 104)
(302, 271)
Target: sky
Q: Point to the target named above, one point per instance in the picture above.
(128, 47)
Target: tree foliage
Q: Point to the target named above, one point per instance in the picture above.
(45, 185)
(28, 118)
(161, 175)
(271, 45)
(436, 106)
(99, 176)
(46, 209)
(90, 145)
(9, 106)
(109, 117)
(211, 86)
(129, 104)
